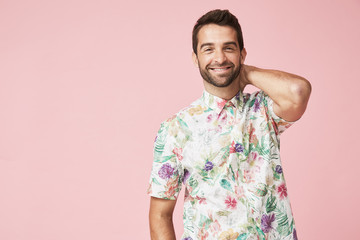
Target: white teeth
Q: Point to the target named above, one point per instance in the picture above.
(219, 69)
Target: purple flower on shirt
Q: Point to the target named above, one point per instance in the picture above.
(188, 238)
(239, 147)
(208, 166)
(256, 105)
(166, 171)
(294, 235)
(186, 175)
(278, 169)
(266, 221)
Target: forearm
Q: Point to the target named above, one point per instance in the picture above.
(282, 87)
(161, 228)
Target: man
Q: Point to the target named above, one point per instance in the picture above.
(224, 147)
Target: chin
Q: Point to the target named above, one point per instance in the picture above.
(224, 83)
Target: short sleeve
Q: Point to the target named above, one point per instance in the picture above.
(166, 173)
(280, 124)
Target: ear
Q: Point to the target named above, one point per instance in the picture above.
(195, 59)
(243, 55)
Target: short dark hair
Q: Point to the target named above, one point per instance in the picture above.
(219, 17)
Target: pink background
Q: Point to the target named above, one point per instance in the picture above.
(84, 86)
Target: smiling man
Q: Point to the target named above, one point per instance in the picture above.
(225, 147)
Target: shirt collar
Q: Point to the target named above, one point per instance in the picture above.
(217, 104)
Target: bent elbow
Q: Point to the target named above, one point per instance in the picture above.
(301, 92)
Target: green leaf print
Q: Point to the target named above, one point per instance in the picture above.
(167, 158)
(263, 149)
(225, 184)
(253, 117)
(250, 228)
(193, 182)
(261, 233)
(282, 220)
(264, 152)
(271, 204)
(231, 111)
(205, 221)
(226, 153)
(283, 230)
(252, 103)
(232, 173)
(292, 225)
(246, 151)
(261, 189)
(155, 181)
(223, 213)
(159, 148)
(242, 236)
(182, 123)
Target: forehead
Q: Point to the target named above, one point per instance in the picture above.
(212, 33)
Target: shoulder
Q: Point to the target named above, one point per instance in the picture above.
(255, 100)
(260, 104)
(259, 94)
(195, 108)
(179, 124)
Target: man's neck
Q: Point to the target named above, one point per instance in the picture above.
(223, 92)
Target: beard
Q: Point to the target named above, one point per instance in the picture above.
(208, 77)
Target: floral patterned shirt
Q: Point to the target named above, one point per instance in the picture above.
(226, 153)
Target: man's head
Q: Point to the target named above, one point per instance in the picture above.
(221, 18)
(218, 48)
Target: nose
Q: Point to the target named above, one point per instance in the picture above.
(220, 57)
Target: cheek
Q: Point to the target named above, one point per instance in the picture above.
(236, 60)
(203, 63)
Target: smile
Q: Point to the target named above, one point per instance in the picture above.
(222, 69)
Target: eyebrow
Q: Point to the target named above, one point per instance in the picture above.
(211, 44)
(231, 43)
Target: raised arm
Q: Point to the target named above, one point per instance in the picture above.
(289, 92)
(160, 218)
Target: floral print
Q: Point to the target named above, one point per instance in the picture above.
(229, 235)
(266, 222)
(208, 166)
(230, 202)
(282, 191)
(226, 154)
(166, 171)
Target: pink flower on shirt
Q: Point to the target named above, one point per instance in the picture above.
(215, 227)
(178, 153)
(209, 118)
(230, 202)
(248, 176)
(203, 233)
(221, 103)
(282, 191)
(239, 190)
(232, 147)
(201, 200)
